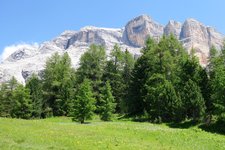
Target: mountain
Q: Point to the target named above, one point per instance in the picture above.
(31, 59)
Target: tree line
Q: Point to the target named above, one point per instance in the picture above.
(165, 84)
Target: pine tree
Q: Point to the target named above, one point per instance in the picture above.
(84, 103)
(58, 85)
(217, 82)
(22, 104)
(34, 85)
(91, 66)
(128, 66)
(162, 102)
(118, 71)
(164, 58)
(5, 101)
(108, 106)
(6, 97)
(142, 69)
(193, 101)
(205, 88)
(127, 76)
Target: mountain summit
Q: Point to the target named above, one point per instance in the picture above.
(31, 59)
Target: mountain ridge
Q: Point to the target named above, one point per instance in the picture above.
(192, 34)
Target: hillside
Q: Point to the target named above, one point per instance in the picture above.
(62, 133)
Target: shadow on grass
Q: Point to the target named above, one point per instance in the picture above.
(183, 125)
(86, 122)
(218, 127)
(133, 118)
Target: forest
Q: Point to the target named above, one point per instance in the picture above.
(165, 84)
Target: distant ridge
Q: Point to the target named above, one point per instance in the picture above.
(31, 59)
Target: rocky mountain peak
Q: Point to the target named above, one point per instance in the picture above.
(200, 37)
(139, 29)
(173, 27)
(30, 59)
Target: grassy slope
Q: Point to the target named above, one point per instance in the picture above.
(61, 133)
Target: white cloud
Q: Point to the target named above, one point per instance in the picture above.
(8, 50)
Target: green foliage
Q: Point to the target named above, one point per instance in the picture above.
(6, 97)
(190, 70)
(118, 71)
(84, 103)
(15, 100)
(22, 104)
(107, 107)
(34, 84)
(92, 64)
(162, 102)
(164, 58)
(193, 101)
(217, 81)
(58, 85)
(164, 84)
(206, 90)
(128, 66)
(139, 75)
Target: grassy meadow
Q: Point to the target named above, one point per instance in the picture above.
(62, 133)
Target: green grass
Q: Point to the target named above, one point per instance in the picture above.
(62, 133)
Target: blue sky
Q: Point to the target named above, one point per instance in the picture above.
(28, 21)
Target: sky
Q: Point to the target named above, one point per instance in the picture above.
(35, 21)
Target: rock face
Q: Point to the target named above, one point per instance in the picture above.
(199, 37)
(31, 59)
(173, 27)
(139, 29)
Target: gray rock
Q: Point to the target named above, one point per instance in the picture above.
(199, 37)
(92, 35)
(28, 59)
(173, 27)
(139, 29)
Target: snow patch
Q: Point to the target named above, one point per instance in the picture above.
(8, 50)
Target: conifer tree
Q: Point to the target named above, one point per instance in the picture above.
(107, 107)
(91, 66)
(115, 73)
(34, 85)
(217, 82)
(58, 85)
(162, 102)
(193, 101)
(84, 104)
(22, 104)
(142, 69)
(6, 97)
(5, 101)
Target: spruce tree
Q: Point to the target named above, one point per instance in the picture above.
(22, 104)
(162, 58)
(84, 104)
(143, 67)
(5, 101)
(193, 101)
(58, 85)
(118, 72)
(162, 102)
(6, 97)
(34, 84)
(91, 66)
(217, 82)
(107, 107)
